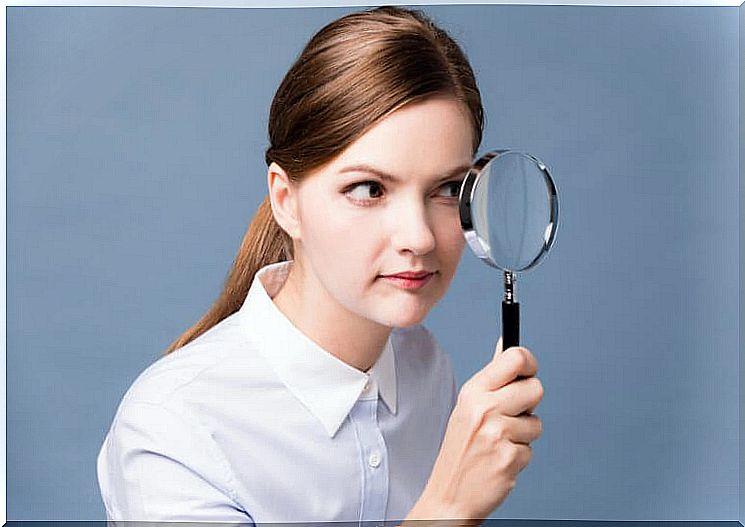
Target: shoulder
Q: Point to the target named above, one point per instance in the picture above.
(199, 366)
(161, 417)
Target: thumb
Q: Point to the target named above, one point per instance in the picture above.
(498, 350)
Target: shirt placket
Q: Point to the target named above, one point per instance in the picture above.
(373, 453)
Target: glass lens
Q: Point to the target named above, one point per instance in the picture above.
(511, 211)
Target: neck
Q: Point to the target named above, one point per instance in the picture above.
(352, 339)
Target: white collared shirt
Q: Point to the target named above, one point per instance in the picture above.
(254, 422)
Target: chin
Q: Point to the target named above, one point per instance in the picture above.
(412, 318)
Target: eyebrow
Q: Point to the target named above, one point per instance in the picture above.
(461, 170)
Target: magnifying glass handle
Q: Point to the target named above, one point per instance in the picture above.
(510, 324)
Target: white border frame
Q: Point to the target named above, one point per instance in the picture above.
(224, 4)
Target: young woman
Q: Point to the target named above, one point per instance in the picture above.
(310, 391)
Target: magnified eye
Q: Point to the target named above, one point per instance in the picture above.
(452, 188)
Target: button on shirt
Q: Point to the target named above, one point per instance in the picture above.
(253, 421)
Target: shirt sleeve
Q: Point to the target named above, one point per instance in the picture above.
(157, 465)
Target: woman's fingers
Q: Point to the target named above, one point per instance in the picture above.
(505, 367)
(518, 397)
(525, 454)
(523, 429)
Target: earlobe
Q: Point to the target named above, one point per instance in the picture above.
(283, 198)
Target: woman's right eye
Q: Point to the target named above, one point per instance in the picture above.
(363, 195)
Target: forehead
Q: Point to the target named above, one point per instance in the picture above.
(419, 139)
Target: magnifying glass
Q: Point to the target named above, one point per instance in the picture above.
(509, 213)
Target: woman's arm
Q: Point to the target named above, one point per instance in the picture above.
(486, 443)
(156, 465)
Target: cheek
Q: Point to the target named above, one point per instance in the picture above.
(342, 241)
(450, 239)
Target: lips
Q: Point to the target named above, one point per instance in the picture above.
(404, 280)
(410, 275)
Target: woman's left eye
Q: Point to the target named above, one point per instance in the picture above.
(454, 187)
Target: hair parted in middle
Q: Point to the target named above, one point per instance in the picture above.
(357, 70)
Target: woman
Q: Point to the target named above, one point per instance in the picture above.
(310, 391)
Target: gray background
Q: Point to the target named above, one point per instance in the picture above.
(742, 269)
(135, 141)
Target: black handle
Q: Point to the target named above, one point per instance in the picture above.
(510, 324)
(511, 329)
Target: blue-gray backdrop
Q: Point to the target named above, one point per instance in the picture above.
(135, 141)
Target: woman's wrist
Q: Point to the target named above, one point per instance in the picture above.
(428, 512)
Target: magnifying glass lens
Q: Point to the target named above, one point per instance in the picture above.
(511, 211)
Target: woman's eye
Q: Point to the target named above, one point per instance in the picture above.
(453, 188)
(367, 192)
(361, 191)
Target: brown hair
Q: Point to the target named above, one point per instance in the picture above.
(352, 73)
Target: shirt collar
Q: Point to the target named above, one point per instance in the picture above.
(325, 384)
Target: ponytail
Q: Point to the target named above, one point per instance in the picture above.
(264, 243)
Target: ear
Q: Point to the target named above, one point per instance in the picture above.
(283, 198)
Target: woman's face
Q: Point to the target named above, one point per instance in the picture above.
(356, 224)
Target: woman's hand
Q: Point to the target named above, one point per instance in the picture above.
(487, 441)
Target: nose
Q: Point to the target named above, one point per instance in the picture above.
(411, 229)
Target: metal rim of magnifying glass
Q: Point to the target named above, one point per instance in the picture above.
(466, 220)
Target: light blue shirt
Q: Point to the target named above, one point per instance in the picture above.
(254, 422)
